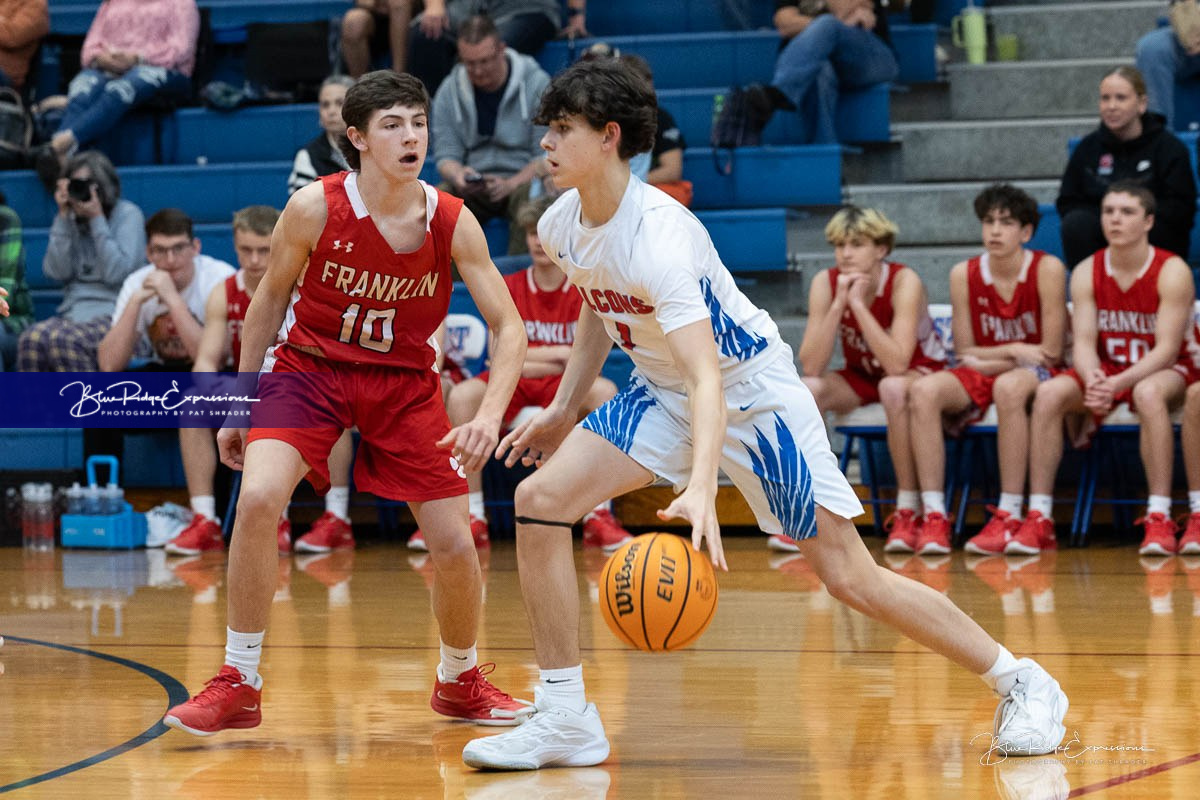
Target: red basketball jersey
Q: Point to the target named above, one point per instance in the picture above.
(929, 353)
(236, 303)
(996, 321)
(358, 300)
(550, 316)
(1125, 320)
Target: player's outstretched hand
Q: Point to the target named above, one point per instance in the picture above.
(231, 444)
(471, 443)
(702, 513)
(536, 439)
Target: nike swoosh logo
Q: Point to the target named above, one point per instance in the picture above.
(252, 646)
(250, 708)
(561, 254)
(745, 407)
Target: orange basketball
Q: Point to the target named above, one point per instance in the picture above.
(657, 593)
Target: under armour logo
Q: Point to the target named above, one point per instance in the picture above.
(337, 245)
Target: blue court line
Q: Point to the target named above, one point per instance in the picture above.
(176, 693)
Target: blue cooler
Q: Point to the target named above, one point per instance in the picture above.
(123, 529)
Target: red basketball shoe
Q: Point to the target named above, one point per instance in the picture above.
(226, 702)
(934, 538)
(329, 532)
(1189, 543)
(601, 529)
(903, 526)
(1035, 535)
(1160, 535)
(471, 697)
(995, 535)
(201, 535)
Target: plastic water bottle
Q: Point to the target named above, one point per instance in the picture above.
(75, 499)
(28, 511)
(113, 499)
(93, 501)
(46, 520)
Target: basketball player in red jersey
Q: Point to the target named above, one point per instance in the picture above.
(1133, 304)
(1010, 321)
(880, 312)
(360, 279)
(220, 349)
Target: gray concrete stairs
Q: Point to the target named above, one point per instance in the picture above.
(995, 121)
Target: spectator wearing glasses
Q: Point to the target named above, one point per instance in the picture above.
(159, 314)
(485, 144)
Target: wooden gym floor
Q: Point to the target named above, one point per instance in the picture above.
(787, 695)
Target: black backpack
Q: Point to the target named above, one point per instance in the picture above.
(16, 129)
(738, 121)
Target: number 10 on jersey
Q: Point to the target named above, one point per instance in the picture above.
(366, 327)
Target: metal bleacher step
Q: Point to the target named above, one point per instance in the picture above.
(1003, 149)
(1054, 31)
(1025, 89)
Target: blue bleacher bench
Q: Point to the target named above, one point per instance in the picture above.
(73, 19)
(764, 177)
(685, 60)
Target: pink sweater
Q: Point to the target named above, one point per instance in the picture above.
(162, 32)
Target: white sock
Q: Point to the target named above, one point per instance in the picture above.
(999, 677)
(934, 502)
(1042, 503)
(564, 687)
(455, 661)
(205, 505)
(1159, 504)
(337, 502)
(1194, 502)
(475, 505)
(908, 499)
(1011, 503)
(243, 651)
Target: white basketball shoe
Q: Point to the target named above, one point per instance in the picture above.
(552, 737)
(1029, 719)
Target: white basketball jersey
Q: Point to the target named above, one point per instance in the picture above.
(650, 270)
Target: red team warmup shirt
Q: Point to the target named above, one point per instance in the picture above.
(358, 351)
(550, 319)
(996, 321)
(862, 370)
(1125, 320)
(236, 303)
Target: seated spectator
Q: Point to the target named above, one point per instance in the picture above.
(321, 156)
(878, 309)
(12, 283)
(1130, 144)
(1132, 305)
(525, 25)
(1010, 324)
(372, 25)
(97, 239)
(159, 314)
(829, 46)
(550, 306)
(486, 146)
(220, 349)
(1163, 59)
(23, 23)
(135, 51)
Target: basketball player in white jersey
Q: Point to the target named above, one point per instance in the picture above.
(713, 386)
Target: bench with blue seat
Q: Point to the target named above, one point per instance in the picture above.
(685, 60)
(73, 19)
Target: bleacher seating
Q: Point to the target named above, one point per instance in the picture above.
(211, 163)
